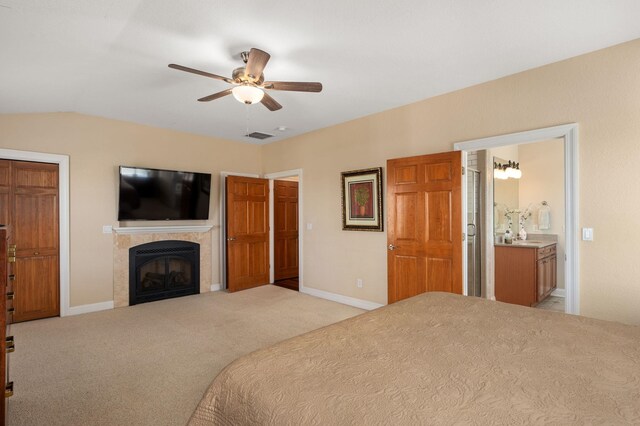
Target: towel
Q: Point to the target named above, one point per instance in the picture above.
(544, 217)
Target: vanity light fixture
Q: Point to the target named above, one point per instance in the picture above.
(499, 172)
(514, 171)
(507, 170)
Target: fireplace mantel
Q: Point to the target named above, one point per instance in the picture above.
(126, 230)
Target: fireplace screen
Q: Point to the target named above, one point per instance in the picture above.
(163, 269)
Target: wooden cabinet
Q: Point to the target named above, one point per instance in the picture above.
(525, 275)
(547, 278)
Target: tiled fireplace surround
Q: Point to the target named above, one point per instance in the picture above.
(125, 238)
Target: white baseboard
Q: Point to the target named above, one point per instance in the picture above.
(215, 287)
(345, 300)
(558, 292)
(93, 307)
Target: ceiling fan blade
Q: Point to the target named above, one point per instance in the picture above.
(256, 63)
(215, 96)
(203, 73)
(293, 86)
(270, 103)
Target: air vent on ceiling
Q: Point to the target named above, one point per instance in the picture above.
(259, 135)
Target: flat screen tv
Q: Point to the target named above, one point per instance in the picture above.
(152, 194)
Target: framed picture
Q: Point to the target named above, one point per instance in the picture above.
(362, 200)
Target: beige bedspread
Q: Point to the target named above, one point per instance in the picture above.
(437, 359)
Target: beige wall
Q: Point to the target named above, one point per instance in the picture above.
(96, 147)
(542, 166)
(599, 91)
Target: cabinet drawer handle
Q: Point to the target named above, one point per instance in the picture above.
(35, 253)
(11, 259)
(10, 311)
(11, 295)
(8, 390)
(12, 277)
(10, 344)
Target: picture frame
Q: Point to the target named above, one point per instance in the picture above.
(362, 200)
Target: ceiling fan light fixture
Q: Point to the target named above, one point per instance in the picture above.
(249, 81)
(247, 94)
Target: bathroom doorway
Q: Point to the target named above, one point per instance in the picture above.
(566, 136)
(529, 219)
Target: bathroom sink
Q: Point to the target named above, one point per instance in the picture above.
(524, 242)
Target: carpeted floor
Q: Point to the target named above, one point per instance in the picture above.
(149, 364)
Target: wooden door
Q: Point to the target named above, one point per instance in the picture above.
(247, 232)
(34, 221)
(424, 220)
(3, 322)
(285, 212)
(5, 191)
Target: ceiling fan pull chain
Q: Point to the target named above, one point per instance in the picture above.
(246, 108)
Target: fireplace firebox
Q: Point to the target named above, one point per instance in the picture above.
(162, 270)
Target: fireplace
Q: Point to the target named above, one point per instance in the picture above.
(162, 270)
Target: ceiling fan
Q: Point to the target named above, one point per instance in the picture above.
(249, 81)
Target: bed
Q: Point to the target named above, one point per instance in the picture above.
(437, 358)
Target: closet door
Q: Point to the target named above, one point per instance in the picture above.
(34, 220)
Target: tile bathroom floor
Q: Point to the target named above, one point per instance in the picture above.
(552, 303)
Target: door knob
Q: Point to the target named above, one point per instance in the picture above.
(392, 247)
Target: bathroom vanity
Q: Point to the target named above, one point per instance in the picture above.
(526, 271)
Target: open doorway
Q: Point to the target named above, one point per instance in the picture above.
(294, 266)
(528, 222)
(285, 235)
(285, 232)
(565, 138)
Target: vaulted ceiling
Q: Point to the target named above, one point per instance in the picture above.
(109, 57)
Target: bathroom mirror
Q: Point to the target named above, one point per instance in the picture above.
(505, 197)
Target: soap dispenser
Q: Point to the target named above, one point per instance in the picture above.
(508, 236)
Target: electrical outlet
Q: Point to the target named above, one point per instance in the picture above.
(107, 229)
(587, 234)
(309, 226)
(359, 283)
